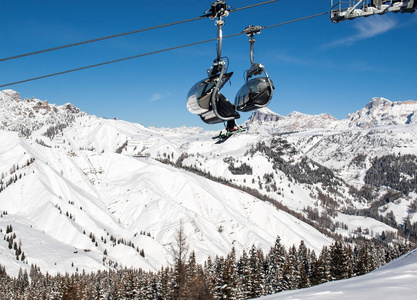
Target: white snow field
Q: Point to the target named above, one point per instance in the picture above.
(68, 194)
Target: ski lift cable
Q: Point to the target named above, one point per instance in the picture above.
(108, 62)
(296, 20)
(157, 51)
(128, 33)
(253, 5)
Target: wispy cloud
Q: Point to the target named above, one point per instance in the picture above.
(155, 97)
(365, 29)
(158, 96)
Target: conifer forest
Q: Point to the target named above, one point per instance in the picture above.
(248, 275)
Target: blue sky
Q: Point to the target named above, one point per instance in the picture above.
(316, 66)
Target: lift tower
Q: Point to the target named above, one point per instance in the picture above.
(350, 9)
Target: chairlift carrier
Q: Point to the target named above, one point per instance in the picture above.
(256, 92)
(205, 99)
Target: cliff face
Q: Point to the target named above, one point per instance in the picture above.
(382, 112)
(28, 115)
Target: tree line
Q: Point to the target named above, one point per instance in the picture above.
(252, 275)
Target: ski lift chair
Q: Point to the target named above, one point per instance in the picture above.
(256, 92)
(205, 93)
(204, 98)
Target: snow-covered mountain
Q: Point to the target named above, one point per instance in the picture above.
(382, 112)
(83, 192)
(293, 121)
(31, 114)
(264, 115)
(378, 112)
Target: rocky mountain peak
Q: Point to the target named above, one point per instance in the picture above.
(293, 121)
(381, 112)
(378, 102)
(377, 112)
(32, 114)
(13, 95)
(264, 115)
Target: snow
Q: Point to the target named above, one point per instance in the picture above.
(395, 280)
(79, 185)
(380, 112)
(120, 195)
(368, 226)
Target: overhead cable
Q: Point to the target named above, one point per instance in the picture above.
(157, 51)
(126, 33)
(296, 20)
(109, 62)
(99, 39)
(253, 5)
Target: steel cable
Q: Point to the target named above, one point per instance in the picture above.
(158, 51)
(126, 33)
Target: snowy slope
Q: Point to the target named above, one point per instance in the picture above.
(67, 192)
(395, 280)
(349, 153)
(74, 203)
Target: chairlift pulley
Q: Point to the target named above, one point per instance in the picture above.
(218, 10)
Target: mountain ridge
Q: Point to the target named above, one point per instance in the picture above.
(25, 116)
(377, 112)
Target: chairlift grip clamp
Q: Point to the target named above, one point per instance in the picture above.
(218, 10)
(250, 32)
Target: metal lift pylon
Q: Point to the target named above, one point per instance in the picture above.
(350, 9)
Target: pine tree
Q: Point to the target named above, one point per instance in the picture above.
(230, 278)
(196, 287)
(130, 285)
(7, 290)
(275, 262)
(292, 274)
(219, 284)
(163, 283)
(256, 273)
(22, 281)
(210, 277)
(340, 261)
(305, 265)
(244, 273)
(180, 252)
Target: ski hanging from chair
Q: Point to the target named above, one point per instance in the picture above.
(205, 99)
